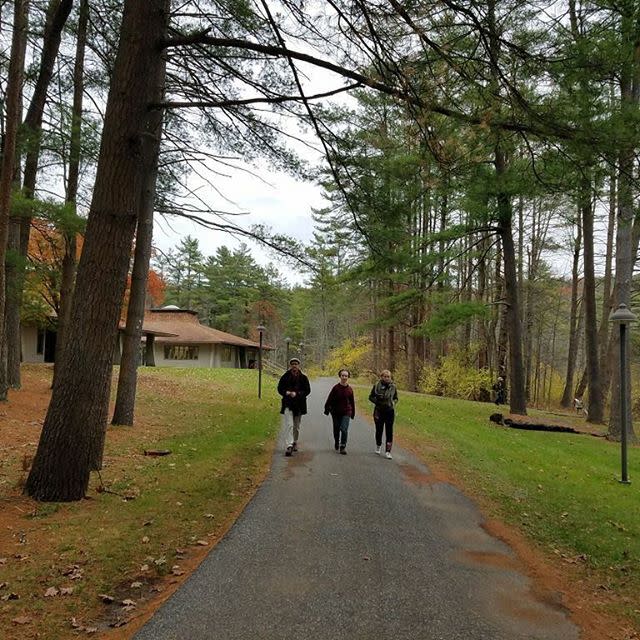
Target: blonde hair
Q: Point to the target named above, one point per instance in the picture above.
(385, 371)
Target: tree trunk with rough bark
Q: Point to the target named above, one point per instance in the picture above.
(73, 434)
(582, 383)
(603, 332)
(517, 394)
(567, 395)
(499, 323)
(622, 294)
(625, 250)
(57, 14)
(70, 248)
(13, 103)
(14, 270)
(128, 376)
(596, 409)
(515, 375)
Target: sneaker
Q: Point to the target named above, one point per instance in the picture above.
(388, 455)
(295, 446)
(288, 451)
(343, 451)
(379, 450)
(337, 446)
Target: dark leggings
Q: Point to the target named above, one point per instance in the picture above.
(383, 419)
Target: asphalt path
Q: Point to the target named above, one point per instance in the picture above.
(357, 547)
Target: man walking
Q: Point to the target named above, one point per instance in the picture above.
(294, 388)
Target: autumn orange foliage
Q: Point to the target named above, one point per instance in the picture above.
(155, 292)
(46, 243)
(263, 312)
(46, 251)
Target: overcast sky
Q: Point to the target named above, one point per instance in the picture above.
(275, 199)
(257, 194)
(270, 197)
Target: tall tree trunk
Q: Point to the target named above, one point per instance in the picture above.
(73, 434)
(622, 292)
(567, 395)
(529, 327)
(391, 350)
(128, 376)
(442, 225)
(70, 248)
(412, 378)
(414, 312)
(552, 357)
(596, 410)
(582, 383)
(517, 396)
(467, 292)
(521, 245)
(499, 324)
(625, 253)
(376, 338)
(14, 267)
(483, 333)
(603, 333)
(515, 376)
(57, 14)
(537, 366)
(525, 289)
(13, 102)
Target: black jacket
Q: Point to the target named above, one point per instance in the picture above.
(384, 396)
(299, 384)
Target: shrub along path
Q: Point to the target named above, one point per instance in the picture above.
(357, 546)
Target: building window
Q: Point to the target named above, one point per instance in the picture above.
(226, 353)
(180, 352)
(40, 342)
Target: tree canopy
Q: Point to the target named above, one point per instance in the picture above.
(466, 147)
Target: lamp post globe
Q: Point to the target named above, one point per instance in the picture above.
(623, 316)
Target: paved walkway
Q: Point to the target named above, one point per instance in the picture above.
(356, 547)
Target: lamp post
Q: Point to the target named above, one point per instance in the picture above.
(623, 316)
(288, 342)
(261, 330)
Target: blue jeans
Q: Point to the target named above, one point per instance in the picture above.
(340, 429)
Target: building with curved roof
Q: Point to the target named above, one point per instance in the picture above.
(185, 342)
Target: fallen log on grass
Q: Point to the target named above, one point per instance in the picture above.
(499, 419)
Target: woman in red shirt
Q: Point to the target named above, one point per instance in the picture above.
(342, 406)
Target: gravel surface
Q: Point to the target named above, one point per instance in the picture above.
(356, 547)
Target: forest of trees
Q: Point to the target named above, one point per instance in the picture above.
(470, 149)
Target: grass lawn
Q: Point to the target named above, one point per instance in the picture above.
(148, 520)
(562, 490)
